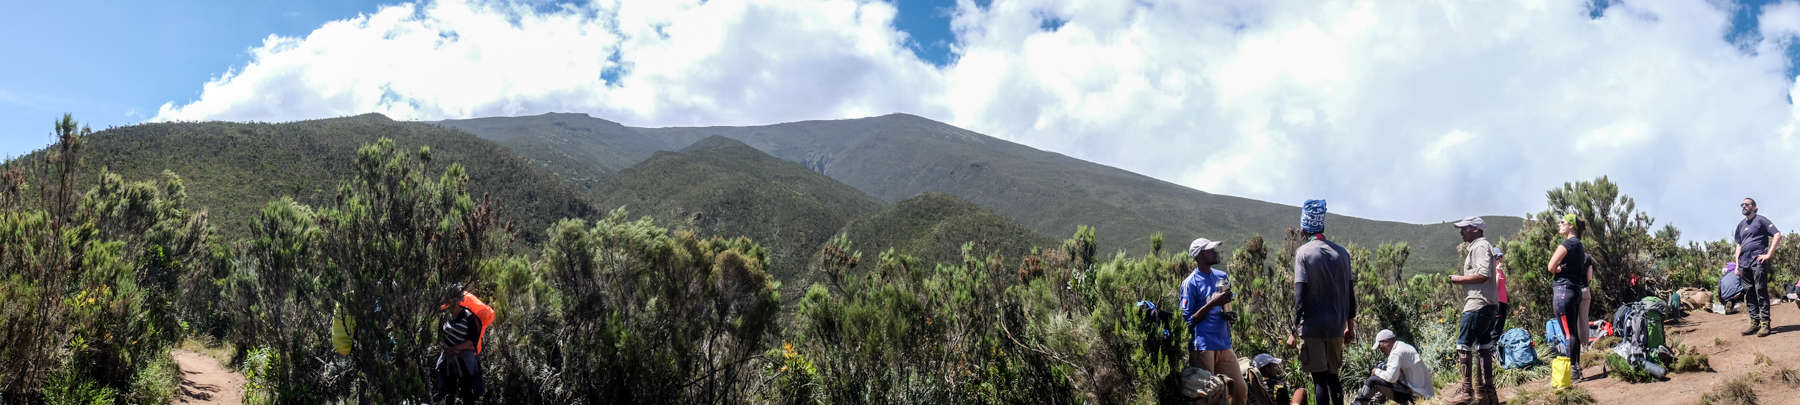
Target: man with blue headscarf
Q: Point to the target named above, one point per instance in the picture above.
(1324, 305)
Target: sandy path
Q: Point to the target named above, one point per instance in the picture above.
(1731, 354)
(205, 381)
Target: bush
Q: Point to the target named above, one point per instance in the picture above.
(67, 386)
(95, 270)
(259, 367)
(155, 382)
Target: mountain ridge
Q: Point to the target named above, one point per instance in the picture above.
(898, 156)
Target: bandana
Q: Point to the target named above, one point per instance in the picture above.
(1312, 216)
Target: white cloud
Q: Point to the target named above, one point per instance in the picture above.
(1416, 111)
(721, 62)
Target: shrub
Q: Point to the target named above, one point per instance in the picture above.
(259, 367)
(68, 387)
(1622, 370)
(155, 382)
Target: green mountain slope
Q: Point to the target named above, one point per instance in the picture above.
(934, 226)
(233, 169)
(722, 187)
(897, 156)
(575, 147)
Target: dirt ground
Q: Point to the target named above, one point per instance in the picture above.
(205, 381)
(1732, 355)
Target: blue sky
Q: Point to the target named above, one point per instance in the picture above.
(112, 63)
(1277, 100)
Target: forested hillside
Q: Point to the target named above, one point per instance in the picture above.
(898, 156)
(233, 169)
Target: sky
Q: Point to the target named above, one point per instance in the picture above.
(1420, 111)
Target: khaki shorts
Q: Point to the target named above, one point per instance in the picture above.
(1321, 354)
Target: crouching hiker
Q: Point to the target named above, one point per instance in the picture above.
(1205, 296)
(458, 370)
(1404, 378)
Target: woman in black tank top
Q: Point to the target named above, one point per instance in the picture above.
(1568, 267)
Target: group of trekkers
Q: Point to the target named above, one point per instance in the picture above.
(1324, 317)
(1325, 311)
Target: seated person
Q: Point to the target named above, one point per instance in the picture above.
(1403, 379)
(1268, 382)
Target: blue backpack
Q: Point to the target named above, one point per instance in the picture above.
(1516, 349)
(1554, 336)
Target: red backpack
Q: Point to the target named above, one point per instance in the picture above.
(482, 311)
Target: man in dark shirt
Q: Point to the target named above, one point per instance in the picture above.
(1324, 305)
(1756, 242)
(458, 371)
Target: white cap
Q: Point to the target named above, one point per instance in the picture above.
(1471, 221)
(1382, 336)
(1201, 245)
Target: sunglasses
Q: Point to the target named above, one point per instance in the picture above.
(1746, 205)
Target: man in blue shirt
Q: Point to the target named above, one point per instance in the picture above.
(1205, 296)
(1756, 239)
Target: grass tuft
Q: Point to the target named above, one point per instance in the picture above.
(1509, 377)
(155, 382)
(1618, 368)
(1688, 359)
(1763, 360)
(1737, 391)
(222, 351)
(1605, 344)
(1788, 376)
(1544, 396)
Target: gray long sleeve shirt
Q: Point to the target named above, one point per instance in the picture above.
(1325, 296)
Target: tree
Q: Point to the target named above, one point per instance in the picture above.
(91, 275)
(1618, 237)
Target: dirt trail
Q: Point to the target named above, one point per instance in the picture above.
(1732, 355)
(205, 381)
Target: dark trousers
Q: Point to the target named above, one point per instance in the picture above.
(1567, 304)
(1500, 323)
(1473, 334)
(1756, 296)
(1378, 391)
(1327, 388)
(458, 377)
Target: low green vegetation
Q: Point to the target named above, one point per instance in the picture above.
(1575, 395)
(1688, 359)
(1620, 369)
(1737, 391)
(612, 308)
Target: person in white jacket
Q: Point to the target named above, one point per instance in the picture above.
(1403, 379)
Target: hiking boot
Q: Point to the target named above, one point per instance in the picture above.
(1455, 395)
(1754, 326)
(1485, 393)
(1465, 362)
(1765, 330)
